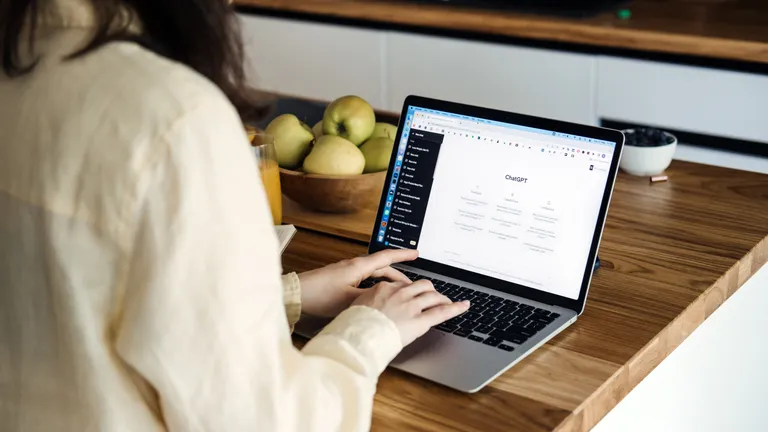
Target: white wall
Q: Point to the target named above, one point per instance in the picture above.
(715, 381)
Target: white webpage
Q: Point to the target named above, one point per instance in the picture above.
(520, 214)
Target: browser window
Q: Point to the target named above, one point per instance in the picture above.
(507, 201)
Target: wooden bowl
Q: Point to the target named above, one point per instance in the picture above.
(333, 194)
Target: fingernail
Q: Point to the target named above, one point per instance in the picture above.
(466, 302)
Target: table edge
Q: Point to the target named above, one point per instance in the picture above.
(629, 375)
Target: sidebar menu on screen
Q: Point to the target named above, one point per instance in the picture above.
(409, 188)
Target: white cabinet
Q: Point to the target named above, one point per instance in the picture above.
(526, 80)
(316, 61)
(706, 101)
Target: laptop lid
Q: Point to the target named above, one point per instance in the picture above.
(507, 201)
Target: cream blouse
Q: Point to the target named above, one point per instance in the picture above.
(140, 285)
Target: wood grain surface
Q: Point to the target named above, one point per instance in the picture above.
(726, 29)
(671, 254)
(353, 226)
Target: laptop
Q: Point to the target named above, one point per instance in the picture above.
(507, 211)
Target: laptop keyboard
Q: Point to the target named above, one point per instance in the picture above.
(490, 320)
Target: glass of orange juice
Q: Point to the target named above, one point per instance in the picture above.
(264, 149)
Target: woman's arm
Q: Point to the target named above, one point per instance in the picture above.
(203, 320)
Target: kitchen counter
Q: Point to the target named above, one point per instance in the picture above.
(730, 30)
(671, 254)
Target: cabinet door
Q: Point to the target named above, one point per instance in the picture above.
(706, 101)
(525, 80)
(315, 61)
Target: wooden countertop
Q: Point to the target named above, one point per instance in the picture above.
(719, 29)
(671, 254)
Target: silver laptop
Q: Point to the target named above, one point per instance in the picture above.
(507, 211)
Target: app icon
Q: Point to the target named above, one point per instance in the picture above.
(381, 238)
(603, 156)
(386, 243)
(386, 212)
(400, 157)
(591, 167)
(389, 203)
(384, 224)
(391, 192)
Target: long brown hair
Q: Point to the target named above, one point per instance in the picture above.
(202, 34)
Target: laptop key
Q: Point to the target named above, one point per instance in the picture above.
(495, 298)
(509, 308)
(463, 332)
(506, 347)
(471, 316)
(525, 331)
(542, 319)
(447, 328)
(476, 308)
(494, 305)
(486, 319)
(484, 329)
(554, 315)
(509, 336)
(537, 326)
(481, 294)
(500, 325)
(492, 341)
(475, 338)
(541, 311)
(455, 321)
(469, 324)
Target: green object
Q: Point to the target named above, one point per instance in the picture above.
(624, 14)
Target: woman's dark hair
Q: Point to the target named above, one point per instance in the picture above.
(202, 34)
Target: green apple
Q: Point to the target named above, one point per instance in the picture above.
(377, 152)
(317, 129)
(334, 155)
(292, 140)
(384, 130)
(349, 117)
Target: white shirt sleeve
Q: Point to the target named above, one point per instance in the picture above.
(202, 318)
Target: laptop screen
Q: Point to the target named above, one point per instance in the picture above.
(511, 202)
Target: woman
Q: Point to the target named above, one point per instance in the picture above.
(140, 285)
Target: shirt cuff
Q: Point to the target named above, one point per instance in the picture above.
(292, 298)
(369, 332)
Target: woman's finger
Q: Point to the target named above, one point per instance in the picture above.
(368, 264)
(391, 274)
(444, 312)
(417, 288)
(431, 299)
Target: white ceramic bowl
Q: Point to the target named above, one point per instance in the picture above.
(647, 161)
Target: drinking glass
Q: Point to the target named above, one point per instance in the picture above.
(264, 149)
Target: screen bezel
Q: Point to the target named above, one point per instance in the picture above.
(523, 120)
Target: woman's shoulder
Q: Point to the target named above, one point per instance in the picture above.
(145, 81)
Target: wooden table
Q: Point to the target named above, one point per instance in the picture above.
(721, 29)
(671, 254)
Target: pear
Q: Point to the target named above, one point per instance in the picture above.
(333, 155)
(384, 130)
(292, 140)
(317, 129)
(349, 117)
(377, 152)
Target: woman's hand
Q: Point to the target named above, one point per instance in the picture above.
(413, 307)
(327, 291)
